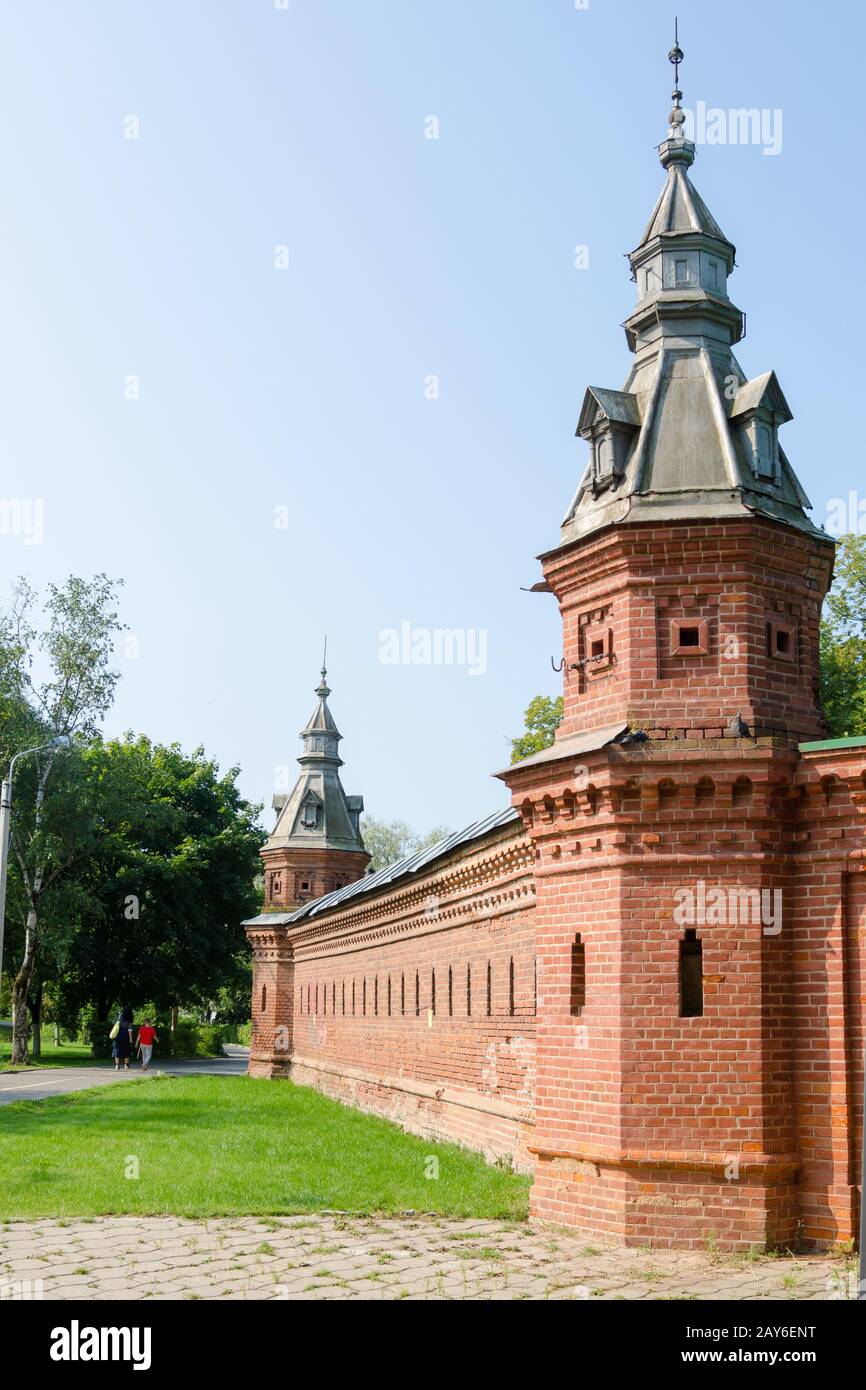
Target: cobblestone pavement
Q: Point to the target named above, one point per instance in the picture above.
(331, 1256)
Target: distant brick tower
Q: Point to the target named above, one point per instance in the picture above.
(690, 582)
(315, 846)
(314, 849)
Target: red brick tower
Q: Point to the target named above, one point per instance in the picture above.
(667, 816)
(315, 848)
(316, 844)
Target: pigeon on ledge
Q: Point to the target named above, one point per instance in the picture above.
(739, 726)
(638, 736)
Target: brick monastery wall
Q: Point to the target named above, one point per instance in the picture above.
(417, 1004)
(829, 988)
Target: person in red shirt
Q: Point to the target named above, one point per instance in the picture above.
(146, 1038)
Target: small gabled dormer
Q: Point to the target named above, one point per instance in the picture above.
(758, 409)
(608, 422)
(310, 817)
(355, 805)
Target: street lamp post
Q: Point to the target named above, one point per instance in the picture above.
(61, 741)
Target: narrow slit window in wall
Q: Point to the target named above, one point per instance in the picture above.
(691, 975)
(577, 990)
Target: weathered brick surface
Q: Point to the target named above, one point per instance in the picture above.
(629, 584)
(296, 876)
(272, 1004)
(830, 986)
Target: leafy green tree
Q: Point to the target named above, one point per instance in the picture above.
(388, 841)
(843, 642)
(543, 717)
(161, 893)
(20, 725)
(73, 649)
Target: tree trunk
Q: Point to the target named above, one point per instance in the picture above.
(34, 1003)
(21, 987)
(174, 1015)
(20, 991)
(56, 1034)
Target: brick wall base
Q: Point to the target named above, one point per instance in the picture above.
(496, 1129)
(671, 1209)
(269, 1066)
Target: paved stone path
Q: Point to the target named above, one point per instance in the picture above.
(35, 1083)
(332, 1256)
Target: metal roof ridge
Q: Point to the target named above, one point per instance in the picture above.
(410, 864)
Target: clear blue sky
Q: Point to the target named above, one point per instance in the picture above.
(304, 388)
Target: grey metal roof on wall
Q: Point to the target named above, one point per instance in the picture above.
(412, 864)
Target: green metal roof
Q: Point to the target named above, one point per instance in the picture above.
(827, 743)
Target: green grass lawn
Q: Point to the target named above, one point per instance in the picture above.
(230, 1145)
(67, 1055)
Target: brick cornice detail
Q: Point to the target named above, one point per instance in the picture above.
(437, 902)
(494, 907)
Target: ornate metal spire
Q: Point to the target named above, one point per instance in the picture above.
(322, 689)
(677, 116)
(676, 149)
